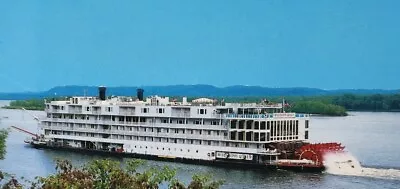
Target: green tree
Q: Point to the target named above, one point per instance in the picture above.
(318, 107)
(108, 174)
(3, 137)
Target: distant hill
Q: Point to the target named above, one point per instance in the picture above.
(191, 90)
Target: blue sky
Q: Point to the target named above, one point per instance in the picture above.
(275, 43)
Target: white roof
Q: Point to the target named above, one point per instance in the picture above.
(203, 100)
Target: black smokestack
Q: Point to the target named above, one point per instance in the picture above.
(102, 93)
(140, 94)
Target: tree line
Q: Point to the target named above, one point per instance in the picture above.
(377, 102)
(334, 105)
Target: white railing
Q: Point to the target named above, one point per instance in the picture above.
(264, 116)
(187, 135)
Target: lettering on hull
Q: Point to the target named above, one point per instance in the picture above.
(237, 156)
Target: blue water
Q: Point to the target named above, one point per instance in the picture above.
(371, 137)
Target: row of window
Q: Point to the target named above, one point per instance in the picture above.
(201, 111)
(159, 139)
(262, 125)
(285, 138)
(128, 119)
(284, 130)
(169, 149)
(158, 130)
(249, 136)
(95, 126)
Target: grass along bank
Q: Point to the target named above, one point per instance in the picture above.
(32, 104)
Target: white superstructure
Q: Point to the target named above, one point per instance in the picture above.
(203, 129)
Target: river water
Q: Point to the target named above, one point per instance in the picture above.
(371, 138)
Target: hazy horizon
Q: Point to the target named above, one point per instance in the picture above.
(221, 87)
(314, 43)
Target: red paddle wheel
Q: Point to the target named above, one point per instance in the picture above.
(315, 152)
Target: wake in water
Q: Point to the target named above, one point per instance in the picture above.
(347, 164)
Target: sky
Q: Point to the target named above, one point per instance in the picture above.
(273, 43)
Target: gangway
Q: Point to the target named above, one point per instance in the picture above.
(25, 131)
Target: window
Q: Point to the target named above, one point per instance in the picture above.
(262, 127)
(145, 110)
(209, 132)
(197, 122)
(165, 121)
(201, 111)
(306, 135)
(87, 108)
(160, 110)
(209, 143)
(307, 122)
(214, 123)
(109, 109)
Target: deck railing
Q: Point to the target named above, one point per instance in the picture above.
(263, 116)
